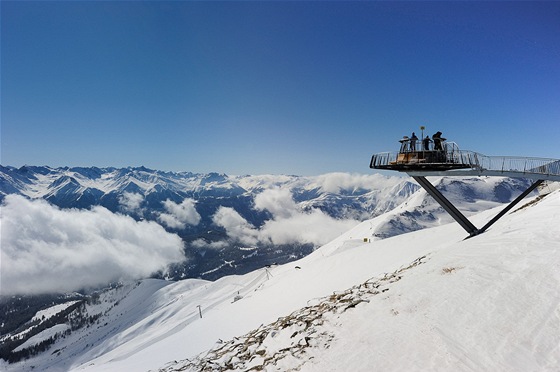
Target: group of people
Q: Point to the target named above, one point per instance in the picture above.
(436, 139)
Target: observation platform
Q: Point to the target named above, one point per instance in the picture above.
(451, 161)
(446, 159)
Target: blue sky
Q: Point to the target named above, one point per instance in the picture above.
(273, 87)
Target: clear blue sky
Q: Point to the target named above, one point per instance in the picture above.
(273, 87)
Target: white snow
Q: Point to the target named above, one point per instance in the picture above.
(489, 303)
(43, 335)
(51, 311)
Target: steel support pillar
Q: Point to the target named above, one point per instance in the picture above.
(458, 216)
(446, 204)
(510, 205)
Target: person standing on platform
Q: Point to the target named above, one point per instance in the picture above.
(413, 140)
(437, 141)
(426, 143)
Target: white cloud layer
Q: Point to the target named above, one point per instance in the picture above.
(278, 202)
(289, 225)
(201, 243)
(335, 182)
(130, 202)
(236, 226)
(178, 216)
(47, 249)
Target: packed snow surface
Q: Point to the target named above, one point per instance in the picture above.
(426, 300)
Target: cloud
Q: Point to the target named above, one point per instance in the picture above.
(178, 216)
(335, 182)
(315, 228)
(201, 243)
(278, 202)
(47, 249)
(289, 224)
(130, 202)
(236, 226)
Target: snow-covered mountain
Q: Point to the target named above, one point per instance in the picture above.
(423, 300)
(205, 209)
(341, 195)
(236, 224)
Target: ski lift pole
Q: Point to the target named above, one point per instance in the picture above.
(199, 311)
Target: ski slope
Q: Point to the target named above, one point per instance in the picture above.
(489, 303)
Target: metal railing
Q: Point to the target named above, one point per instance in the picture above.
(383, 159)
(520, 165)
(449, 155)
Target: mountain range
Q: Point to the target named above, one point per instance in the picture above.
(287, 217)
(164, 197)
(411, 300)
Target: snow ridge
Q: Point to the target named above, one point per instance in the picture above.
(282, 345)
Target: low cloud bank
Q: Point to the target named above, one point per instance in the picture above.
(337, 182)
(178, 216)
(289, 224)
(131, 202)
(48, 249)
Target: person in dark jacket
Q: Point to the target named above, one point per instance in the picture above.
(413, 140)
(437, 141)
(426, 143)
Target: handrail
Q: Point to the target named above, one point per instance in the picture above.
(520, 165)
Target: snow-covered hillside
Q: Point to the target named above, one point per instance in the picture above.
(425, 300)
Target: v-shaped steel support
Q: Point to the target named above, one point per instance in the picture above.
(458, 216)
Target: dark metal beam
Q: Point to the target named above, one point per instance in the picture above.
(510, 205)
(458, 216)
(446, 204)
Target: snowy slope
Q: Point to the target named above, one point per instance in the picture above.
(488, 303)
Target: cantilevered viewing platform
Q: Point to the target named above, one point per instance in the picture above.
(451, 161)
(420, 159)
